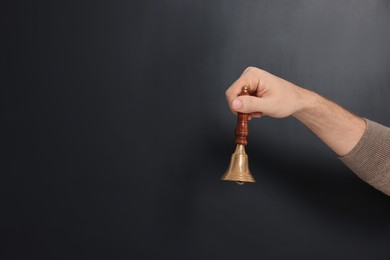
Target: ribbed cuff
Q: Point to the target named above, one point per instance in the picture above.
(370, 158)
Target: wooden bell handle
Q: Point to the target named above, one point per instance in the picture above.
(242, 121)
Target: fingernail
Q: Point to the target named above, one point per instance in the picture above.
(237, 104)
(256, 115)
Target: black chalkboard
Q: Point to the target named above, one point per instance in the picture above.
(115, 130)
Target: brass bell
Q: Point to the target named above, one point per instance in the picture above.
(238, 170)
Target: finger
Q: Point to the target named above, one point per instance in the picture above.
(235, 89)
(250, 104)
(256, 115)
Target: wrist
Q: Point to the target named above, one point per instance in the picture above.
(307, 102)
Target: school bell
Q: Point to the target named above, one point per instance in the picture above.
(238, 170)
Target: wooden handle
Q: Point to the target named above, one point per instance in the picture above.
(242, 121)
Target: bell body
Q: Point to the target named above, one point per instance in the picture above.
(238, 170)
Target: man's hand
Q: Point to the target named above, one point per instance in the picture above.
(276, 97)
(271, 95)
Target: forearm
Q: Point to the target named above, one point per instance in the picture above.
(362, 145)
(335, 126)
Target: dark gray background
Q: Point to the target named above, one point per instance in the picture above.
(115, 130)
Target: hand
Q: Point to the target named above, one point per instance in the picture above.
(271, 95)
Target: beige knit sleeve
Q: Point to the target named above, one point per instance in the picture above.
(370, 158)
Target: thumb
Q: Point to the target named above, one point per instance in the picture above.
(248, 104)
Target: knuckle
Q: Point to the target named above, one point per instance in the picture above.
(247, 105)
(251, 106)
(227, 93)
(254, 69)
(249, 68)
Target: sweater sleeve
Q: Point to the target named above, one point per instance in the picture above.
(370, 158)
